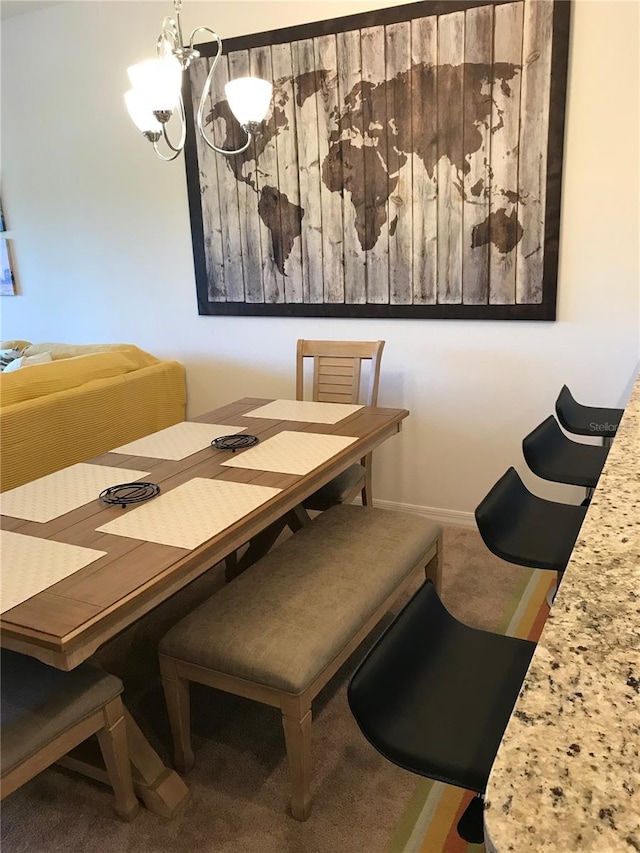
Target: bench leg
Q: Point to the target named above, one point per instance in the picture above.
(297, 735)
(115, 752)
(433, 569)
(176, 692)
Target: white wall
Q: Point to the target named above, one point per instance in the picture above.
(103, 248)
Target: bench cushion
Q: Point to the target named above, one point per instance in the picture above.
(40, 702)
(287, 617)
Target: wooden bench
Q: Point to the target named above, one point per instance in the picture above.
(281, 630)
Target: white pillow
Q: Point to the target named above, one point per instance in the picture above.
(28, 361)
(7, 356)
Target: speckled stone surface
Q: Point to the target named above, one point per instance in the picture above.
(567, 774)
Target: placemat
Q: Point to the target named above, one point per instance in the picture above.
(31, 565)
(291, 452)
(303, 410)
(177, 441)
(191, 513)
(62, 491)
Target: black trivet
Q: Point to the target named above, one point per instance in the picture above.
(129, 493)
(234, 442)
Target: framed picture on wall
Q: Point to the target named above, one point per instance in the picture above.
(410, 166)
(7, 279)
(3, 227)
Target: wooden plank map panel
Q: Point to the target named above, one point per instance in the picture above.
(401, 170)
(507, 48)
(351, 147)
(371, 225)
(424, 184)
(451, 155)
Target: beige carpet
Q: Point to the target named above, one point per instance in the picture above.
(239, 785)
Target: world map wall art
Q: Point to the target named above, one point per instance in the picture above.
(410, 166)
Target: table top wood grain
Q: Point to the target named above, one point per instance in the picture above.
(66, 623)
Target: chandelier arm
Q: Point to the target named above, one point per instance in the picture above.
(203, 99)
(170, 33)
(183, 130)
(228, 151)
(207, 85)
(211, 32)
(162, 156)
(170, 145)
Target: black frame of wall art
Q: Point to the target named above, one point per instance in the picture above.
(380, 209)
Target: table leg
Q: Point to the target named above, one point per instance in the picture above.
(298, 518)
(160, 788)
(262, 542)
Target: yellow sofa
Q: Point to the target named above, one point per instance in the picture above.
(87, 400)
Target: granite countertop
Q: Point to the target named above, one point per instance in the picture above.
(567, 774)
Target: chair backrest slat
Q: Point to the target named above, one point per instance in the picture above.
(337, 367)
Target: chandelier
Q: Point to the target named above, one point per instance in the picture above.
(156, 91)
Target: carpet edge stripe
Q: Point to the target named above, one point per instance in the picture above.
(516, 623)
(412, 817)
(415, 839)
(438, 829)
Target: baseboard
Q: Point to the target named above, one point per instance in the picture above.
(444, 516)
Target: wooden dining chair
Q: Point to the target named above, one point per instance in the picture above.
(47, 712)
(337, 378)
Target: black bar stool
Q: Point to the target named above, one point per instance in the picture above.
(586, 420)
(434, 696)
(553, 456)
(521, 528)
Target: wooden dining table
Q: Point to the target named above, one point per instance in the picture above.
(66, 623)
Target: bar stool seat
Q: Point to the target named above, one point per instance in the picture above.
(434, 696)
(553, 456)
(521, 528)
(586, 420)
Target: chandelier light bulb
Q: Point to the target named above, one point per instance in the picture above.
(158, 82)
(141, 115)
(249, 99)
